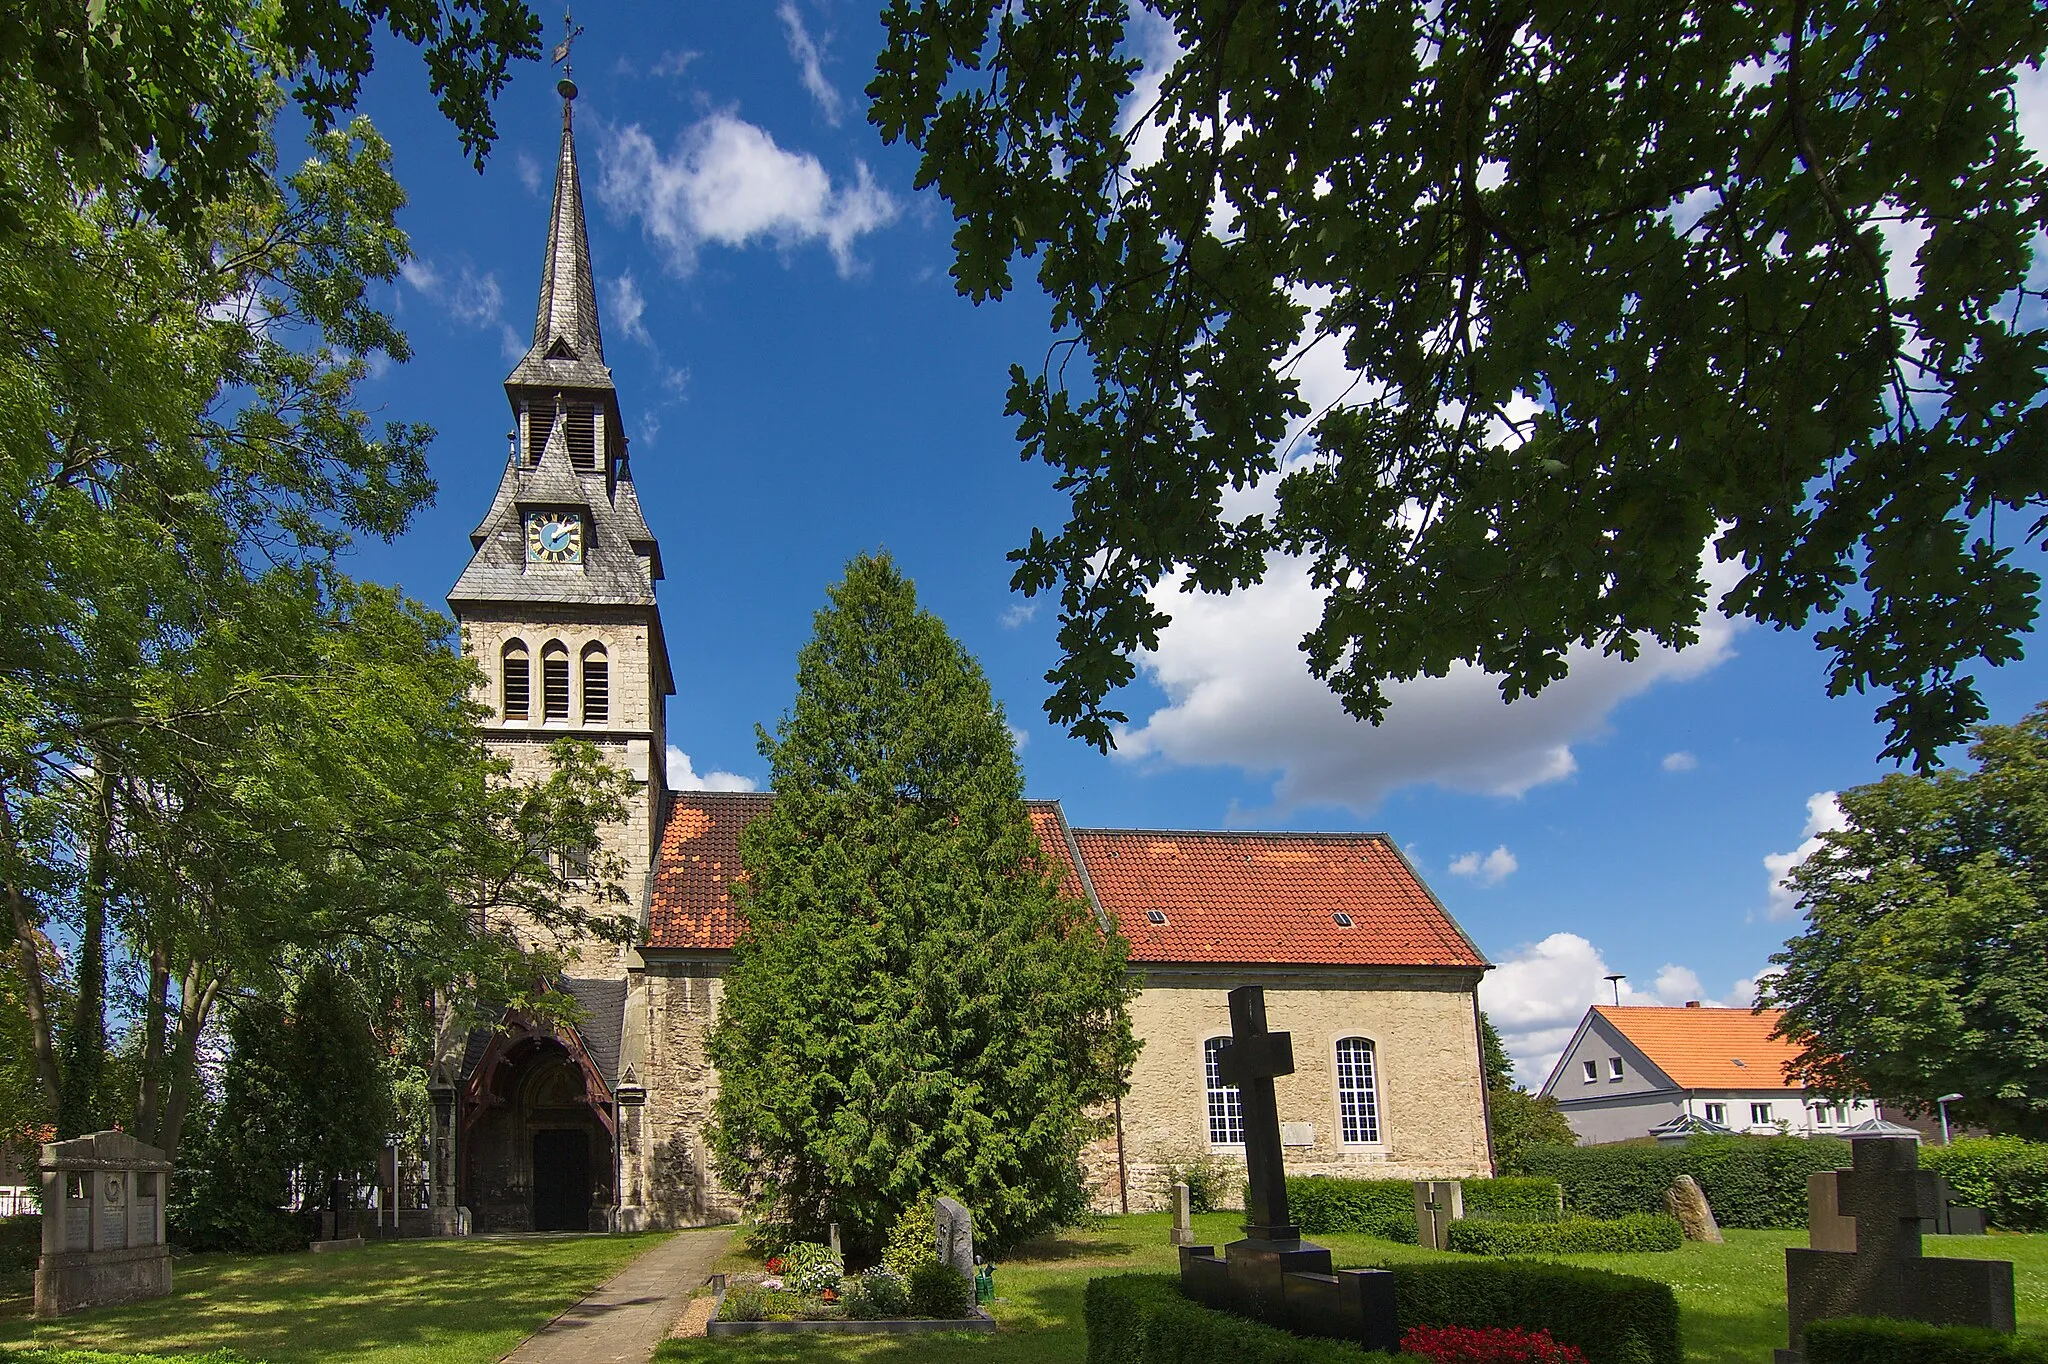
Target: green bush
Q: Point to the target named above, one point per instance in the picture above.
(751, 1302)
(801, 1257)
(21, 1243)
(1143, 1319)
(1374, 1207)
(939, 1290)
(1882, 1340)
(1613, 1318)
(878, 1293)
(2005, 1176)
(1639, 1231)
(1514, 1199)
(914, 1240)
(1749, 1181)
(1207, 1177)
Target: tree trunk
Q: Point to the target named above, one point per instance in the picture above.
(29, 962)
(155, 1021)
(85, 1039)
(196, 997)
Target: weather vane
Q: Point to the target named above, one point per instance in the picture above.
(571, 30)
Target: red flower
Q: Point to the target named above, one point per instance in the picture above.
(774, 1265)
(1487, 1345)
(829, 1296)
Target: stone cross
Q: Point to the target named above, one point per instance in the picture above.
(1183, 1208)
(1438, 1203)
(1251, 1062)
(1885, 1197)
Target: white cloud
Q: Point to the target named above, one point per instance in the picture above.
(1023, 613)
(625, 302)
(728, 183)
(469, 298)
(1151, 37)
(529, 171)
(1823, 815)
(683, 776)
(1538, 995)
(1488, 869)
(1680, 761)
(672, 64)
(1240, 694)
(1018, 738)
(809, 55)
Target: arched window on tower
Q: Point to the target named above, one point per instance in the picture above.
(1226, 1104)
(554, 681)
(1358, 1095)
(517, 680)
(597, 685)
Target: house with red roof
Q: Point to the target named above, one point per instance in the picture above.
(1639, 1070)
(1362, 964)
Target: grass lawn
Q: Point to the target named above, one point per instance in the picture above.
(1731, 1297)
(403, 1302)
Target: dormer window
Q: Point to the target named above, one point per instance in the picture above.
(560, 350)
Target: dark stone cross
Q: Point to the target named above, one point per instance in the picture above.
(1254, 1058)
(1888, 1197)
(1272, 1274)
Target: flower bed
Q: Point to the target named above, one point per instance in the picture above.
(806, 1289)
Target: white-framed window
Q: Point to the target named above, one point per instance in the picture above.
(1759, 1115)
(1614, 1067)
(1226, 1105)
(1592, 1070)
(1718, 1113)
(1358, 1095)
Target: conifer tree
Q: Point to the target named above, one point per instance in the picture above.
(914, 1006)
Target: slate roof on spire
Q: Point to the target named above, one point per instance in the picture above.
(568, 347)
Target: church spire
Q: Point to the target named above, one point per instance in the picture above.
(567, 315)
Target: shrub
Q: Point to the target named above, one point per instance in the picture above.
(1143, 1319)
(914, 1239)
(751, 1302)
(1572, 1236)
(880, 1292)
(1612, 1318)
(1514, 1199)
(1207, 1176)
(939, 1290)
(1882, 1340)
(1749, 1181)
(2005, 1176)
(1374, 1207)
(809, 1267)
(1487, 1345)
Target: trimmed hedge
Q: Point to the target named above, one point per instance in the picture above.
(1143, 1319)
(2005, 1176)
(1613, 1318)
(1573, 1236)
(1882, 1340)
(1749, 1181)
(1386, 1207)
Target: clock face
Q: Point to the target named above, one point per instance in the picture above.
(554, 538)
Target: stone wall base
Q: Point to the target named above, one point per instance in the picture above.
(74, 1280)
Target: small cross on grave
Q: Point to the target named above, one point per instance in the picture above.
(1273, 1274)
(1887, 1197)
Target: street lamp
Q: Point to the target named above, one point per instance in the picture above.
(1942, 1103)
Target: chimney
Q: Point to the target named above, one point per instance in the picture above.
(1692, 1004)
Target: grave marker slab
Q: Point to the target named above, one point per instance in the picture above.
(953, 1231)
(1183, 1216)
(106, 1245)
(1438, 1203)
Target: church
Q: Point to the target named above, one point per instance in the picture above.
(602, 1126)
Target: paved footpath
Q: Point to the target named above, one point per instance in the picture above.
(624, 1318)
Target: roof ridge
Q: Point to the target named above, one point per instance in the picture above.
(1304, 834)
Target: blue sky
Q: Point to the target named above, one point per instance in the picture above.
(801, 383)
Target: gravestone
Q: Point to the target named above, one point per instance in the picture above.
(1688, 1203)
(832, 1240)
(953, 1232)
(1438, 1203)
(103, 1224)
(1886, 1198)
(1183, 1216)
(1272, 1274)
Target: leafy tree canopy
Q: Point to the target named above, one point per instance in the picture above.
(174, 101)
(914, 1006)
(1919, 973)
(1612, 285)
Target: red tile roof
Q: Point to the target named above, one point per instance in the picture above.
(1251, 897)
(1227, 897)
(691, 906)
(1708, 1048)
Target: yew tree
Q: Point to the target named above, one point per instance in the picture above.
(1608, 285)
(1919, 971)
(914, 1006)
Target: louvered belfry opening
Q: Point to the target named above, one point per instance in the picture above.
(597, 685)
(582, 437)
(539, 422)
(554, 682)
(518, 682)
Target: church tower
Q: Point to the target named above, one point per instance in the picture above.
(557, 604)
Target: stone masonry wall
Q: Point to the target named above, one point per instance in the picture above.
(682, 1000)
(1426, 1050)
